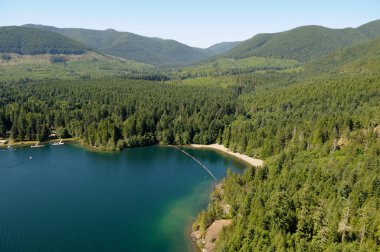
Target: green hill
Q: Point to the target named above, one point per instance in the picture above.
(362, 58)
(304, 43)
(25, 40)
(371, 29)
(131, 46)
(223, 47)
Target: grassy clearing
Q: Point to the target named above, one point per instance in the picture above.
(92, 64)
(228, 66)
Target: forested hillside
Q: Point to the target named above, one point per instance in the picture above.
(363, 58)
(131, 46)
(304, 43)
(301, 44)
(319, 187)
(371, 29)
(23, 40)
(232, 67)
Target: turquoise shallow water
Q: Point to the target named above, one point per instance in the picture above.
(69, 199)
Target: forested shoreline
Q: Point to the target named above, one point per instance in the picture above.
(116, 113)
(245, 114)
(319, 187)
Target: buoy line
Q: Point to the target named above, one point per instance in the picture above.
(196, 160)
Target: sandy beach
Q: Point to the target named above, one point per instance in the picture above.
(219, 147)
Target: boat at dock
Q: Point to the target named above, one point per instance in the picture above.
(37, 145)
(59, 143)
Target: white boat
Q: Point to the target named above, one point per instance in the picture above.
(59, 143)
(37, 145)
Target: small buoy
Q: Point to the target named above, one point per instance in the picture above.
(30, 157)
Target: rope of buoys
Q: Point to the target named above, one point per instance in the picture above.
(196, 160)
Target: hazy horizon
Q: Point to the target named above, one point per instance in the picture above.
(199, 24)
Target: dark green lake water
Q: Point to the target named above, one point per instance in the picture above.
(69, 199)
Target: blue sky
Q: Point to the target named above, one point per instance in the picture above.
(197, 23)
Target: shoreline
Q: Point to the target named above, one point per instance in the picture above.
(22, 144)
(247, 159)
(218, 147)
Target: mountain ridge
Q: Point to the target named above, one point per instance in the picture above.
(304, 43)
(361, 58)
(132, 46)
(25, 40)
(222, 47)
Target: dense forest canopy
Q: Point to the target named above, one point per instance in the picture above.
(319, 188)
(114, 113)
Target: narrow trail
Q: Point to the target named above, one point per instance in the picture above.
(196, 160)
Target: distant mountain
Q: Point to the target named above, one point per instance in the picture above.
(131, 46)
(304, 43)
(25, 40)
(362, 58)
(223, 47)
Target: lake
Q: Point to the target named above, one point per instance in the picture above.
(66, 198)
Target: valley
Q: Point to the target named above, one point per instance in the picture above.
(305, 101)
